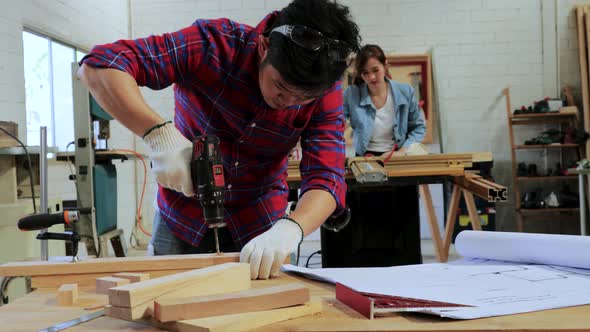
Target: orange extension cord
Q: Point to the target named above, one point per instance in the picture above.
(138, 222)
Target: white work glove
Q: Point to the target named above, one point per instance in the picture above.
(171, 155)
(267, 252)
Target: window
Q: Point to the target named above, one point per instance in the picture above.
(48, 88)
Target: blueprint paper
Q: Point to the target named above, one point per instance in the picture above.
(551, 249)
(492, 287)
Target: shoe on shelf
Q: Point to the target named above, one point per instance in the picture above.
(522, 169)
(551, 200)
(532, 200)
(532, 170)
(568, 198)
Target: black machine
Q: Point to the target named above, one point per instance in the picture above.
(41, 221)
(208, 181)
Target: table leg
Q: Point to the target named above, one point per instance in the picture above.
(432, 221)
(472, 209)
(451, 220)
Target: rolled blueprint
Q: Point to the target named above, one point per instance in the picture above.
(550, 249)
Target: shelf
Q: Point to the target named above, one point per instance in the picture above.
(547, 146)
(542, 178)
(564, 112)
(547, 210)
(17, 150)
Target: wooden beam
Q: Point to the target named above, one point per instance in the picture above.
(87, 279)
(230, 278)
(116, 264)
(169, 310)
(67, 294)
(248, 321)
(132, 277)
(141, 292)
(103, 284)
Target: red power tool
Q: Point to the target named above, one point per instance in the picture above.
(208, 181)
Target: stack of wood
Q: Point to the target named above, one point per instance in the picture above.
(214, 298)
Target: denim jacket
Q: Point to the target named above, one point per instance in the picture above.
(409, 125)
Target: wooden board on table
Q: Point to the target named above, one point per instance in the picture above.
(67, 294)
(103, 284)
(132, 277)
(168, 310)
(248, 321)
(425, 171)
(88, 279)
(116, 264)
(231, 280)
(141, 292)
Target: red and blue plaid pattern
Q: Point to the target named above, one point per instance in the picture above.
(214, 65)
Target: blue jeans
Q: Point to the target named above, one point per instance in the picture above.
(166, 243)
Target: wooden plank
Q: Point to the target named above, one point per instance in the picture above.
(168, 310)
(67, 294)
(116, 264)
(141, 292)
(230, 279)
(248, 321)
(103, 284)
(87, 279)
(132, 277)
(451, 171)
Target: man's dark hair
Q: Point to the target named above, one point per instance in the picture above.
(308, 70)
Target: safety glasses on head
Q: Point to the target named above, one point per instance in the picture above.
(308, 38)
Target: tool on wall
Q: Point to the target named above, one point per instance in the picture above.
(42, 221)
(208, 181)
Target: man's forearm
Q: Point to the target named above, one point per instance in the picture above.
(118, 93)
(313, 208)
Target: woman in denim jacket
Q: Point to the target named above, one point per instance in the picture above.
(384, 114)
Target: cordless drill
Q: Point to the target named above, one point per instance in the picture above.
(208, 181)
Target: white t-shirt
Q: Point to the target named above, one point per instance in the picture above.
(382, 136)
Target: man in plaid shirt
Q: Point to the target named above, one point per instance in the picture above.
(259, 89)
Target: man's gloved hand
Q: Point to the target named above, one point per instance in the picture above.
(171, 155)
(267, 252)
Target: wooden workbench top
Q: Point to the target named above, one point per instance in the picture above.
(39, 310)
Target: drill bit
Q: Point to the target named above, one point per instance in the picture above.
(216, 240)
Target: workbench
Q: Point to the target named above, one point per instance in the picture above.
(39, 310)
(420, 171)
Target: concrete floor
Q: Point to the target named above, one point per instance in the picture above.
(309, 247)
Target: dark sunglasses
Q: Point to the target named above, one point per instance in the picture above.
(308, 38)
